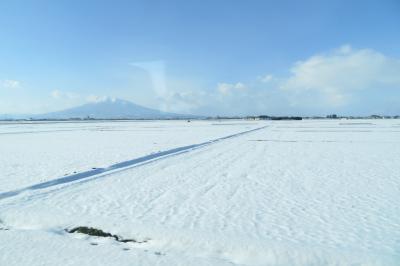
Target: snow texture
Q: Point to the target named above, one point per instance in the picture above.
(290, 193)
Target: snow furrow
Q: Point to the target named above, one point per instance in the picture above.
(121, 166)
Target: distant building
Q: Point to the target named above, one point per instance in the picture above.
(332, 116)
(266, 117)
(375, 116)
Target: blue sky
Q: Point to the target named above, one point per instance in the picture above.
(202, 57)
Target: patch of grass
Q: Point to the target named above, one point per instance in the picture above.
(91, 232)
(100, 233)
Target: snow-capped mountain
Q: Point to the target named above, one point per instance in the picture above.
(111, 109)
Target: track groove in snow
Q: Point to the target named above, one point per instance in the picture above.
(121, 166)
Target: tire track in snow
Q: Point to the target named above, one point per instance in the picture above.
(121, 166)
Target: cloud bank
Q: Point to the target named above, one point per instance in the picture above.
(344, 80)
(337, 78)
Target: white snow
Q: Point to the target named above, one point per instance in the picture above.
(34, 152)
(294, 193)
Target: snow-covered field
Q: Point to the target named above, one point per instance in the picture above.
(36, 152)
(291, 193)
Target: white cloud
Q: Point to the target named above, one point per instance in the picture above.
(58, 94)
(183, 101)
(344, 49)
(9, 83)
(157, 74)
(95, 98)
(337, 77)
(226, 88)
(267, 78)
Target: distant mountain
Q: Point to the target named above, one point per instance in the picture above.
(13, 116)
(107, 109)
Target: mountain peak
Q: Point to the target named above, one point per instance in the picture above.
(111, 108)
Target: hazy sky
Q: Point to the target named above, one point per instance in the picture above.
(202, 57)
